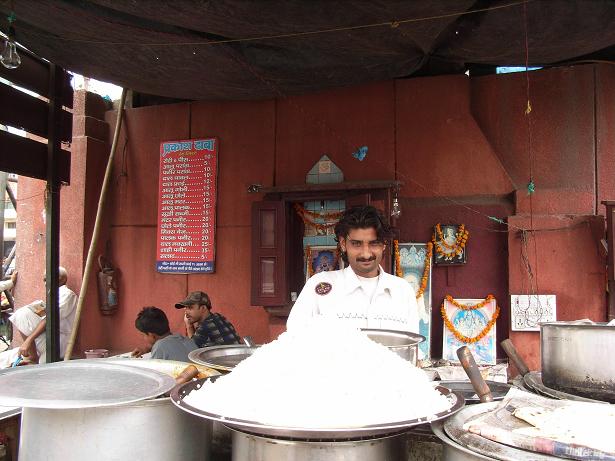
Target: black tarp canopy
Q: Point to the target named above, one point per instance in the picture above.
(241, 49)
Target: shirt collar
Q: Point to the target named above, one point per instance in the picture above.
(352, 282)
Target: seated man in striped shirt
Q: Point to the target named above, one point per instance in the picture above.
(203, 326)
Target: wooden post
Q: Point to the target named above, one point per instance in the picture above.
(3, 179)
(610, 235)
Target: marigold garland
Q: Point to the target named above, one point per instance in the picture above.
(455, 249)
(425, 277)
(308, 217)
(461, 337)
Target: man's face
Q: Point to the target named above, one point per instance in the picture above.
(364, 251)
(149, 338)
(195, 313)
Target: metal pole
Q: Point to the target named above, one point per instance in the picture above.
(52, 208)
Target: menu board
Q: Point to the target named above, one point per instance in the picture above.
(187, 206)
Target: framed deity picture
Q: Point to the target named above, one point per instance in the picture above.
(472, 327)
(450, 244)
(322, 259)
(415, 268)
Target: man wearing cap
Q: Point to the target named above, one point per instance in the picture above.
(206, 328)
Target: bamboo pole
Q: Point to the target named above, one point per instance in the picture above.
(97, 224)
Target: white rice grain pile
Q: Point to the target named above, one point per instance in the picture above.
(326, 376)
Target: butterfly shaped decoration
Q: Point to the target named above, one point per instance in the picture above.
(360, 153)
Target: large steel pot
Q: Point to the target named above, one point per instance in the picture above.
(251, 447)
(152, 430)
(403, 343)
(578, 359)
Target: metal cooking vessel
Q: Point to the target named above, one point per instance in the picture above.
(578, 359)
(152, 430)
(403, 343)
(222, 358)
(250, 447)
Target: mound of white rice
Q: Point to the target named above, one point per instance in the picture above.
(326, 376)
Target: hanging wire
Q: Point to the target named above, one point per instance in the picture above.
(393, 24)
(532, 275)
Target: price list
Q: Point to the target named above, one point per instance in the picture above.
(187, 206)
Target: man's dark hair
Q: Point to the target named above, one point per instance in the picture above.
(362, 217)
(152, 320)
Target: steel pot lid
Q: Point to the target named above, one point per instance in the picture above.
(180, 392)
(80, 384)
(453, 427)
(393, 338)
(465, 388)
(224, 358)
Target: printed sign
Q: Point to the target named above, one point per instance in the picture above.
(187, 206)
(528, 311)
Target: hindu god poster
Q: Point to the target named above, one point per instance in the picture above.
(415, 267)
(466, 324)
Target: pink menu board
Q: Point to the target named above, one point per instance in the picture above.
(187, 206)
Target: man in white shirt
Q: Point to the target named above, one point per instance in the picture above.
(362, 294)
(30, 322)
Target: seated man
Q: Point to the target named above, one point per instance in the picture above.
(29, 322)
(8, 284)
(204, 327)
(32, 325)
(154, 325)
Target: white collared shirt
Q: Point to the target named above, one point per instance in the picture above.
(339, 295)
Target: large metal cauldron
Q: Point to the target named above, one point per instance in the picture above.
(250, 447)
(578, 359)
(152, 430)
(403, 343)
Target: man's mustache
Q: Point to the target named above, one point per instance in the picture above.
(363, 260)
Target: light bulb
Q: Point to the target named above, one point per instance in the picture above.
(9, 57)
(396, 210)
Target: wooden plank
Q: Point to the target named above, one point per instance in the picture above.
(52, 207)
(26, 157)
(341, 186)
(30, 113)
(33, 74)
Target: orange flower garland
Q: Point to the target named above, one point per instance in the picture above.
(455, 250)
(425, 277)
(308, 218)
(459, 335)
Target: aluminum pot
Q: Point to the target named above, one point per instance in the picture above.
(403, 343)
(251, 447)
(578, 359)
(153, 430)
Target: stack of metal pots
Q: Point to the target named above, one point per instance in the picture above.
(92, 409)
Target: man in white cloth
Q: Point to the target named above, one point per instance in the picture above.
(29, 322)
(362, 294)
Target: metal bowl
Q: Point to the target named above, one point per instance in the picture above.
(465, 388)
(180, 392)
(403, 343)
(222, 358)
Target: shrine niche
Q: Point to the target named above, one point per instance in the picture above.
(293, 233)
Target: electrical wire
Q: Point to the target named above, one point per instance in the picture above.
(394, 24)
